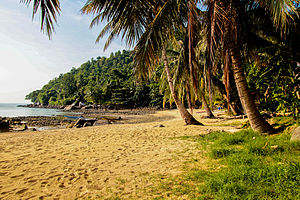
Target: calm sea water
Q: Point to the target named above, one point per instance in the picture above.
(11, 110)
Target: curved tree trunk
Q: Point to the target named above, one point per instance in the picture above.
(188, 118)
(257, 122)
(188, 96)
(206, 107)
(222, 90)
(193, 75)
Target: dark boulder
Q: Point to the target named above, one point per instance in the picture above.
(4, 125)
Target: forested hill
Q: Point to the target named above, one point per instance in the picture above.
(108, 81)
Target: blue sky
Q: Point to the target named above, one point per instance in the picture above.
(28, 60)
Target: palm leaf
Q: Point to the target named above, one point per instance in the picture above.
(49, 10)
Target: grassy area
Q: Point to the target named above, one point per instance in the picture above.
(243, 165)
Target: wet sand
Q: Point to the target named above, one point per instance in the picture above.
(100, 162)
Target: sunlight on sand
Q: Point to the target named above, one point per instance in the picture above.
(97, 162)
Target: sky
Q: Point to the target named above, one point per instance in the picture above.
(28, 59)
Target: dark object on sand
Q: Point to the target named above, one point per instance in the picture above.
(160, 126)
(84, 122)
(4, 125)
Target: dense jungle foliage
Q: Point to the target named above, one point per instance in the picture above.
(108, 81)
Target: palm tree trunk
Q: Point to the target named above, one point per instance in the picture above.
(206, 107)
(188, 96)
(191, 58)
(222, 90)
(257, 122)
(188, 118)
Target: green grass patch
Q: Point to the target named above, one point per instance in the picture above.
(247, 165)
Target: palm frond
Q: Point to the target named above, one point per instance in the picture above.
(160, 30)
(49, 10)
(282, 11)
(125, 16)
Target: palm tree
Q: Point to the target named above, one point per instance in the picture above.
(192, 21)
(132, 19)
(151, 23)
(225, 15)
(147, 51)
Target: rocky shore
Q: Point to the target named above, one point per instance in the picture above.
(100, 116)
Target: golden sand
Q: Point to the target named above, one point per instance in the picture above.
(96, 162)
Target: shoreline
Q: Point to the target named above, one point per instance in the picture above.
(102, 117)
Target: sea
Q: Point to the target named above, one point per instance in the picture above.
(12, 110)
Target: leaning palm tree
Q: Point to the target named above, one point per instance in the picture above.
(133, 20)
(193, 23)
(225, 16)
(153, 43)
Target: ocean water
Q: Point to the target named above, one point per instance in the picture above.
(11, 110)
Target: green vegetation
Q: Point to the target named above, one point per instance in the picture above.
(202, 45)
(108, 81)
(243, 165)
(225, 49)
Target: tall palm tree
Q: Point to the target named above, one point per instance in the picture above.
(225, 15)
(192, 23)
(153, 41)
(132, 19)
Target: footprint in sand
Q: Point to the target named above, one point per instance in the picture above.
(44, 162)
(17, 176)
(44, 183)
(3, 173)
(21, 191)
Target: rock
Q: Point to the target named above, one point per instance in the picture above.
(296, 134)
(70, 125)
(87, 107)
(71, 107)
(4, 125)
(84, 122)
(160, 126)
(80, 104)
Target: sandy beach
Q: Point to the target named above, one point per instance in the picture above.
(102, 162)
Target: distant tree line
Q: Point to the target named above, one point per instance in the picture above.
(105, 81)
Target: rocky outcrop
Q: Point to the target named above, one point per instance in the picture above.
(84, 122)
(71, 107)
(88, 107)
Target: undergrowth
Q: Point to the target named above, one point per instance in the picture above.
(250, 166)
